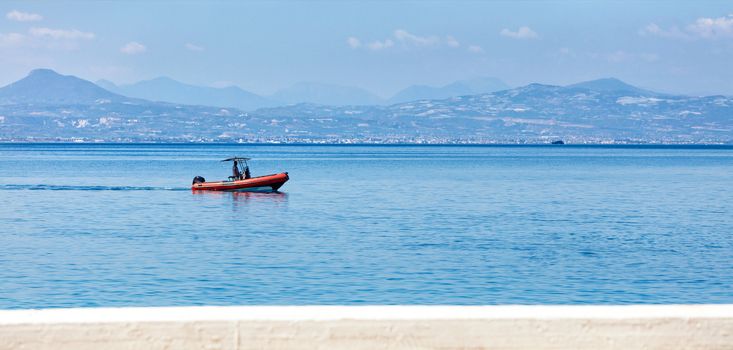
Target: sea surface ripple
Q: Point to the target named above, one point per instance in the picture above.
(116, 225)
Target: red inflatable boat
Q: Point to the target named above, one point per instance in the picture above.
(241, 181)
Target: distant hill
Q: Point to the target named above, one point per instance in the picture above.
(458, 88)
(165, 89)
(325, 94)
(107, 85)
(46, 106)
(610, 85)
(169, 90)
(45, 86)
(607, 110)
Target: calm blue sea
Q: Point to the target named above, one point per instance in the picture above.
(116, 225)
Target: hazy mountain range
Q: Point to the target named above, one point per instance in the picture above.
(459, 88)
(168, 90)
(47, 106)
(326, 94)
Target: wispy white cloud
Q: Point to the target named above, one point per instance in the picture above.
(621, 56)
(19, 16)
(412, 39)
(475, 49)
(565, 53)
(353, 42)
(721, 27)
(70, 34)
(133, 48)
(405, 39)
(523, 32)
(11, 39)
(380, 45)
(451, 41)
(45, 38)
(653, 29)
(702, 28)
(193, 47)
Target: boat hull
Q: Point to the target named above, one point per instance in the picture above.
(267, 183)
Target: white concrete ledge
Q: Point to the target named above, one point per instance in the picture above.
(372, 327)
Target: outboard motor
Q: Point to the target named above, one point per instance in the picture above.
(198, 180)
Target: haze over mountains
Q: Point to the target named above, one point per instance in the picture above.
(47, 106)
(458, 88)
(168, 90)
(610, 85)
(165, 89)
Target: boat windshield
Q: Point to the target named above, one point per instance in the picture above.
(240, 168)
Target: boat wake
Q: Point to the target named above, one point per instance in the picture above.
(41, 187)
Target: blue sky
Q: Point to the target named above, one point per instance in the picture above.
(383, 46)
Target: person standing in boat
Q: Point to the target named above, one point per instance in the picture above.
(235, 172)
